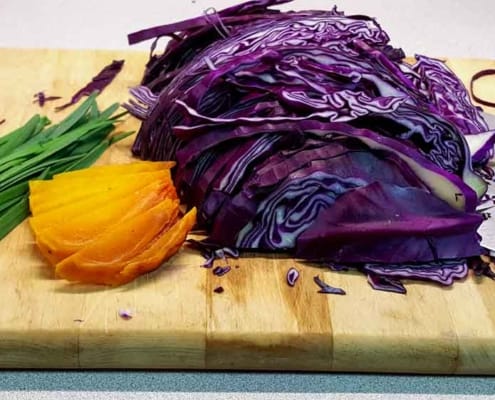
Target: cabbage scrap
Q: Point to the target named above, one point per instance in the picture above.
(41, 98)
(97, 84)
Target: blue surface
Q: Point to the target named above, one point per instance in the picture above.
(243, 382)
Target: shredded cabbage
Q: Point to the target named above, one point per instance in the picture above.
(307, 132)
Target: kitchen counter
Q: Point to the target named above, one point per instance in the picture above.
(201, 385)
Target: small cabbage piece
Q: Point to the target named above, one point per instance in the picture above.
(386, 284)
(41, 98)
(306, 132)
(325, 288)
(444, 272)
(292, 276)
(99, 82)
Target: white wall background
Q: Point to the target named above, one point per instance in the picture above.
(455, 28)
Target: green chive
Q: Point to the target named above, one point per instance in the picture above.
(35, 151)
(14, 215)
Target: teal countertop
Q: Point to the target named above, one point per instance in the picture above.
(221, 382)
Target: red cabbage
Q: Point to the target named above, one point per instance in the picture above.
(218, 289)
(307, 132)
(250, 7)
(481, 146)
(478, 75)
(380, 282)
(448, 94)
(233, 171)
(98, 83)
(292, 276)
(125, 314)
(325, 288)
(300, 193)
(213, 252)
(142, 102)
(481, 267)
(41, 98)
(383, 223)
(444, 272)
(220, 271)
(290, 209)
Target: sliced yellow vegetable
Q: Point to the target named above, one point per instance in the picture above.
(100, 260)
(117, 169)
(109, 224)
(59, 237)
(50, 195)
(163, 248)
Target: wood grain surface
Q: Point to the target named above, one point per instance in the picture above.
(258, 322)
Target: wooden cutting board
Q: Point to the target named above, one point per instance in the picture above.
(257, 323)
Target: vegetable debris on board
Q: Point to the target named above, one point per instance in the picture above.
(307, 132)
(325, 288)
(125, 314)
(41, 98)
(477, 76)
(221, 271)
(292, 276)
(108, 224)
(38, 150)
(98, 83)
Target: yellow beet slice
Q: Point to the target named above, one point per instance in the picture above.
(58, 186)
(163, 248)
(53, 215)
(58, 236)
(116, 169)
(104, 257)
(61, 195)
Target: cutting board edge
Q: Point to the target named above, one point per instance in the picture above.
(35, 348)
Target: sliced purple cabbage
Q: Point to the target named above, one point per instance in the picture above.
(297, 198)
(126, 314)
(221, 271)
(325, 288)
(98, 83)
(383, 223)
(203, 21)
(475, 77)
(386, 284)
(142, 103)
(209, 260)
(41, 98)
(329, 30)
(481, 267)
(449, 95)
(291, 208)
(444, 272)
(292, 276)
(230, 252)
(337, 267)
(481, 146)
(212, 252)
(307, 132)
(219, 289)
